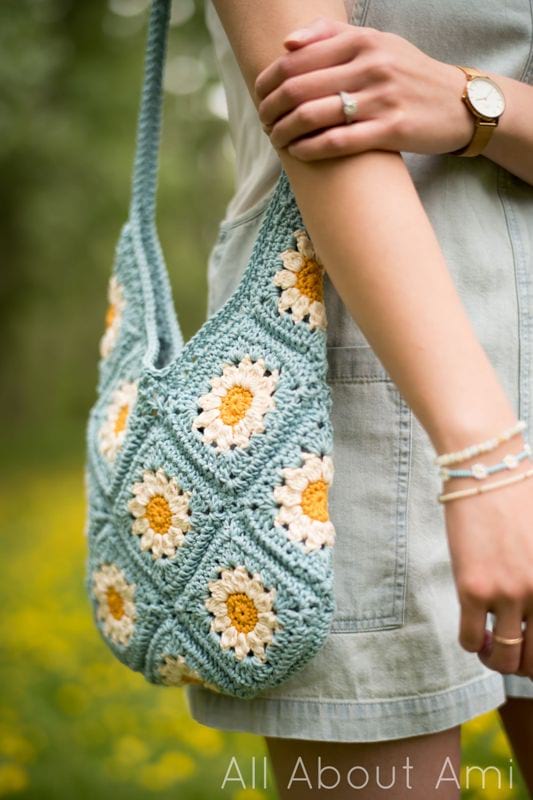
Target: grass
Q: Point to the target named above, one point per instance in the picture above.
(75, 722)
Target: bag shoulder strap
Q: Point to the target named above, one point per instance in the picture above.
(144, 183)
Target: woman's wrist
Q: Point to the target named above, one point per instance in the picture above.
(470, 425)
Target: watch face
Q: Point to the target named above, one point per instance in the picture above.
(486, 98)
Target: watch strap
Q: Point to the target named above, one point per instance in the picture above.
(483, 129)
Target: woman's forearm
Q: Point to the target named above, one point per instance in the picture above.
(382, 255)
(372, 233)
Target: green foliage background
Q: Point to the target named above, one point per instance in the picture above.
(73, 721)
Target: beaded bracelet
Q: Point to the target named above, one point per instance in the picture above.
(482, 447)
(480, 471)
(443, 498)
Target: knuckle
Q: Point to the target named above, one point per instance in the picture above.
(510, 593)
(474, 590)
(285, 67)
(369, 37)
(400, 125)
(382, 67)
(388, 97)
(334, 139)
(292, 91)
(305, 115)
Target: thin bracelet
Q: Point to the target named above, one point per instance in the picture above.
(443, 498)
(480, 471)
(482, 447)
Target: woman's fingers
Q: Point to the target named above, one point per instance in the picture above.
(341, 141)
(505, 658)
(472, 631)
(319, 28)
(311, 86)
(317, 55)
(315, 61)
(316, 114)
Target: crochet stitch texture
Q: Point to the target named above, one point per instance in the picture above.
(209, 463)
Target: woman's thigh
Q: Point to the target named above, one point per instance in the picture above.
(517, 717)
(418, 767)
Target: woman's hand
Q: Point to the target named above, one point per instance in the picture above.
(406, 100)
(491, 546)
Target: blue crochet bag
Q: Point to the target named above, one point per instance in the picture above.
(208, 467)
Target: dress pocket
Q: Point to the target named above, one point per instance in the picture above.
(369, 495)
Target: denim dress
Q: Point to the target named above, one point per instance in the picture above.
(392, 665)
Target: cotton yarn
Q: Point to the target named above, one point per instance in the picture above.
(209, 463)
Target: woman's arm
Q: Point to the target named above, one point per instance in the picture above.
(407, 100)
(381, 254)
(370, 229)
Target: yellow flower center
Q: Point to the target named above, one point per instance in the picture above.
(115, 603)
(111, 313)
(235, 405)
(122, 418)
(309, 280)
(242, 612)
(158, 514)
(315, 501)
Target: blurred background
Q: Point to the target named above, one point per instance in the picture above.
(73, 721)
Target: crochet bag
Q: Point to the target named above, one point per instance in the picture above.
(208, 466)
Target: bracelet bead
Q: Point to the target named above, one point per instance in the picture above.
(481, 471)
(482, 447)
(444, 498)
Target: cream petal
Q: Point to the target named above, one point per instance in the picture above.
(327, 469)
(285, 279)
(205, 418)
(312, 470)
(229, 638)
(140, 526)
(292, 260)
(304, 244)
(264, 631)
(147, 540)
(210, 401)
(290, 296)
(288, 496)
(136, 508)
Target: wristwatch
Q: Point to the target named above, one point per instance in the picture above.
(486, 102)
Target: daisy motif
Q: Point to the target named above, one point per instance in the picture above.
(113, 317)
(302, 283)
(235, 408)
(113, 430)
(174, 671)
(303, 502)
(242, 612)
(116, 609)
(161, 511)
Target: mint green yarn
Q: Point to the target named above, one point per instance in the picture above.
(206, 459)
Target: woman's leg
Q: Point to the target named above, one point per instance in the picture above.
(418, 767)
(517, 717)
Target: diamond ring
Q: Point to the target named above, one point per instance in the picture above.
(349, 106)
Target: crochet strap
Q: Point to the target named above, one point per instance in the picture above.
(149, 123)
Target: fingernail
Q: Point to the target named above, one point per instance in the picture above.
(299, 35)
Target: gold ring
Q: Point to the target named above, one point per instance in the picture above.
(503, 640)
